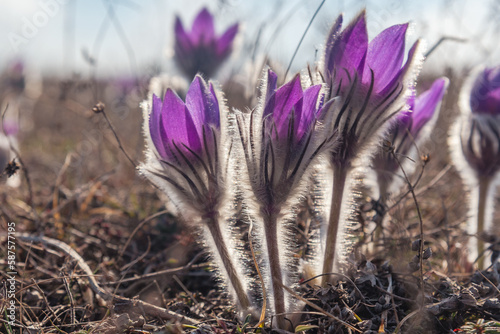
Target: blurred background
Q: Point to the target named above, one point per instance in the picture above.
(117, 37)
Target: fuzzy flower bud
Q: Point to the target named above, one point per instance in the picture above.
(186, 158)
(280, 140)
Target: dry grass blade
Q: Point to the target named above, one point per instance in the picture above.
(189, 293)
(120, 146)
(138, 227)
(140, 258)
(400, 324)
(434, 180)
(304, 35)
(348, 279)
(319, 309)
(166, 272)
(421, 224)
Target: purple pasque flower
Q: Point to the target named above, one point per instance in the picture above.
(411, 127)
(370, 79)
(201, 50)
(280, 141)
(185, 141)
(372, 83)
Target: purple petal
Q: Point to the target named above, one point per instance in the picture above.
(411, 54)
(403, 71)
(494, 77)
(155, 126)
(178, 125)
(491, 104)
(285, 99)
(203, 28)
(333, 35)
(196, 102)
(305, 112)
(225, 42)
(272, 81)
(404, 120)
(347, 52)
(202, 105)
(427, 103)
(385, 57)
(214, 116)
(182, 39)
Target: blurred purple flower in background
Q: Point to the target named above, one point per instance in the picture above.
(485, 94)
(372, 83)
(200, 50)
(475, 148)
(481, 142)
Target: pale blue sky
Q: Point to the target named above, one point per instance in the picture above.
(52, 35)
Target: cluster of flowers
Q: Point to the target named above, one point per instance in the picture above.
(207, 157)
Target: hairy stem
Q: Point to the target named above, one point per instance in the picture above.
(381, 203)
(273, 254)
(339, 180)
(233, 276)
(484, 185)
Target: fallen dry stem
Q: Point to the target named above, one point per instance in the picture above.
(120, 146)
